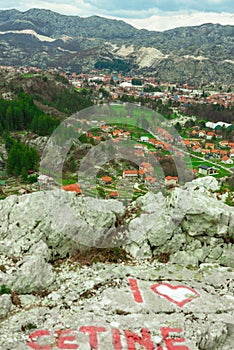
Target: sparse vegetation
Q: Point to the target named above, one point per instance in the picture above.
(4, 289)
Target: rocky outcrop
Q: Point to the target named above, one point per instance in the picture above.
(44, 291)
(190, 225)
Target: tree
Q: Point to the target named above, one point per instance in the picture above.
(136, 81)
(178, 127)
(21, 158)
(104, 93)
(24, 174)
(73, 166)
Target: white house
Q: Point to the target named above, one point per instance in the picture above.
(202, 133)
(144, 139)
(125, 85)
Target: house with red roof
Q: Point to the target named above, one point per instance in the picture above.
(97, 138)
(223, 143)
(227, 160)
(141, 172)
(205, 151)
(232, 153)
(114, 194)
(150, 179)
(118, 132)
(223, 152)
(107, 179)
(147, 167)
(130, 173)
(215, 153)
(72, 188)
(186, 143)
(210, 134)
(105, 128)
(196, 149)
(209, 145)
(171, 181)
(139, 153)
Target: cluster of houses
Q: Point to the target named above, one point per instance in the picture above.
(208, 144)
(145, 173)
(120, 85)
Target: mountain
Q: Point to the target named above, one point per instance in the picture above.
(55, 25)
(45, 39)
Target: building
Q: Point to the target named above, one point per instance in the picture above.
(114, 194)
(171, 181)
(130, 173)
(227, 160)
(45, 181)
(72, 188)
(107, 179)
(144, 139)
(206, 170)
(218, 125)
(147, 167)
(209, 145)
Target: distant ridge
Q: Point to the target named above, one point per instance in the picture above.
(193, 54)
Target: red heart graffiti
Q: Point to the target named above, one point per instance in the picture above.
(175, 294)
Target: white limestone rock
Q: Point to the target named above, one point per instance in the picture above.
(60, 219)
(203, 183)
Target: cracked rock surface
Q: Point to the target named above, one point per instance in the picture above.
(101, 295)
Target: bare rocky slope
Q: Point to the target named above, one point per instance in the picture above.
(47, 39)
(45, 287)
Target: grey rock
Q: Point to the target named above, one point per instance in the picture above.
(34, 274)
(6, 305)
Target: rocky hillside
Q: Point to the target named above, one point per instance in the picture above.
(172, 276)
(47, 39)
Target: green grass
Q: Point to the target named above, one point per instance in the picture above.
(30, 75)
(69, 181)
(121, 115)
(221, 172)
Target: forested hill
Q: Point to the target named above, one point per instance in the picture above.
(32, 105)
(37, 102)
